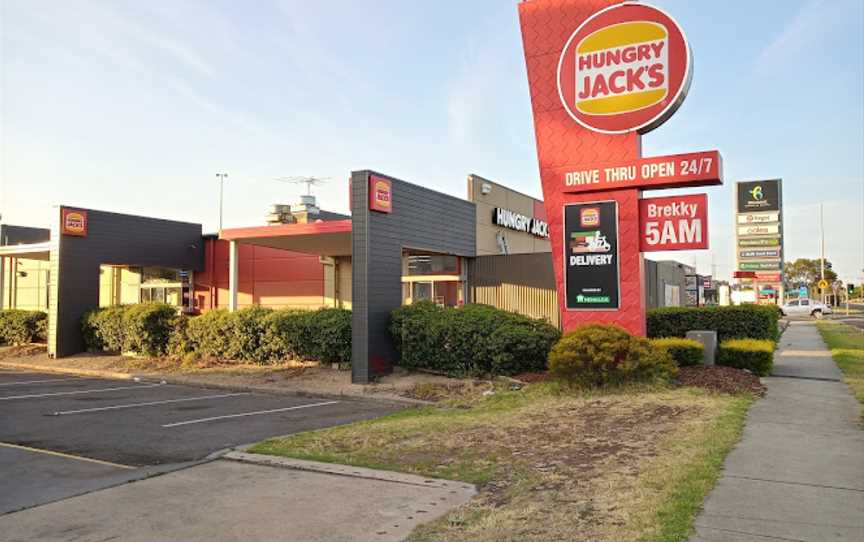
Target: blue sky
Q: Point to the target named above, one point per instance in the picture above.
(134, 106)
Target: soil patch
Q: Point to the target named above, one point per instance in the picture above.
(721, 379)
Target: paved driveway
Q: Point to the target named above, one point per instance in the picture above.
(63, 435)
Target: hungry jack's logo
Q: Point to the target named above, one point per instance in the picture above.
(626, 68)
(589, 217)
(74, 222)
(380, 195)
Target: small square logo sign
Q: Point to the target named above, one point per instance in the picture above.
(73, 222)
(589, 217)
(380, 194)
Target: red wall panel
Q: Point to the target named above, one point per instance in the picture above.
(263, 273)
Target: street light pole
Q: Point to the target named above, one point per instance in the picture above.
(221, 177)
(821, 252)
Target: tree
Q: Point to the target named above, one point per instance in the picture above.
(805, 272)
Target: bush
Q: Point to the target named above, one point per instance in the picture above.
(600, 355)
(147, 328)
(330, 335)
(685, 352)
(471, 340)
(104, 330)
(143, 328)
(22, 327)
(739, 322)
(261, 335)
(757, 356)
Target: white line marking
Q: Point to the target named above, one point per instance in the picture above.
(202, 420)
(21, 383)
(98, 390)
(135, 405)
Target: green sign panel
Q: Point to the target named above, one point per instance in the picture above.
(758, 266)
(760, 242)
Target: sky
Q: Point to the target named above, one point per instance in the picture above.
(134, 107)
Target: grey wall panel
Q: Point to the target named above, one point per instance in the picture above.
(420, 219)
(117, 239)
(18, 235)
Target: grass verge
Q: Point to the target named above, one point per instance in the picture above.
(847, 348)
(632, 464)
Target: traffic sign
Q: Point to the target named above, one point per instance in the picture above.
(802, 291)
(823, 284)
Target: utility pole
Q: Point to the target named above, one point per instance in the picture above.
(221, 177)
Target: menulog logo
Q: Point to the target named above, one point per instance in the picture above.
(626, 68)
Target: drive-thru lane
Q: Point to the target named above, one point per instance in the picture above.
(61, 436)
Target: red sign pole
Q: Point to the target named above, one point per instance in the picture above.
(601, 73)
(563, 143)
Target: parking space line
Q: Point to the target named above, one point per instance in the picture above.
(61, 454)
(149, 403)
(78, 392)
(21, 383)
(256, 413)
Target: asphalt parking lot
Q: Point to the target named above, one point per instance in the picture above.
(64, 435)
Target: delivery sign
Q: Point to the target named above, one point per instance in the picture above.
(673, 223)
(624, 69)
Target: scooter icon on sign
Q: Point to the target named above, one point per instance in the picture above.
(598, 243)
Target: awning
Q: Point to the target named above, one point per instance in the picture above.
(327, 238)
(32, 251)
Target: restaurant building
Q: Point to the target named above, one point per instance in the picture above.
(401, 243)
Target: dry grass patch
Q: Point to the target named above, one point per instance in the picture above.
(625, 465)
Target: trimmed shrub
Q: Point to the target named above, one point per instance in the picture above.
(685, 352)
(22, 327)
(471, 340)
(757, 356)
(287, 334)
(144, 328)
(601, 355)
(147, 328)
(261, 335)
(734, 322)
(330, 335)
(103, 329)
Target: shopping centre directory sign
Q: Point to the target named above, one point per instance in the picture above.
(602, 74)
(759, 236)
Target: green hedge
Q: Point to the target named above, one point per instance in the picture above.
(145, 328)
(734, 322)
(22, 327)
(685, 352)
(470, 340)
(757, 356)
(600, 355)
(263, 335)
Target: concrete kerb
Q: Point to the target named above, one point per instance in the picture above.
(346, 470)
(114, 375)
(191, 381)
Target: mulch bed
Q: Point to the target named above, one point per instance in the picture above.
(722, 379)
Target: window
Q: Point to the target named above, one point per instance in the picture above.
(793, 303)
(433, 264)
(805, 302)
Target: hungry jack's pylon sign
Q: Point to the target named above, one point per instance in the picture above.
(601, 73)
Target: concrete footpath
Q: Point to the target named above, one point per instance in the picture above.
(245, 498)
(798, 472)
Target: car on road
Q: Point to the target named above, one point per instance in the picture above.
(809, 307)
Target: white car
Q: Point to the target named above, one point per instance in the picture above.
(807, 307)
